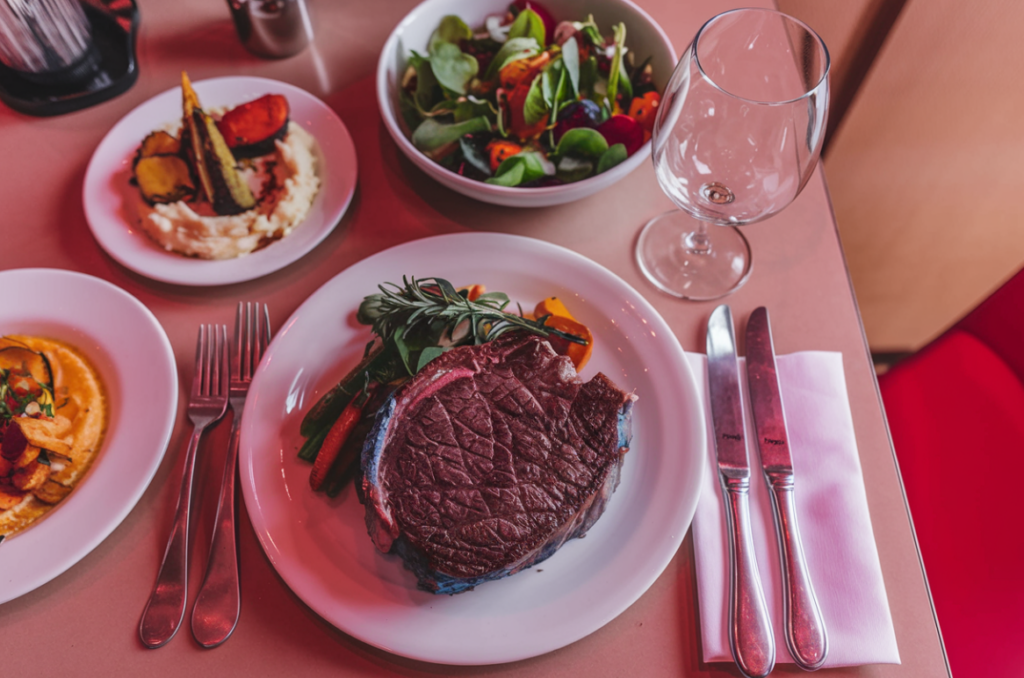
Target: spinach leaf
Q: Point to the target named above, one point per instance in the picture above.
(407, 108)
(452, 67)
(612, 157)
(546, 86)
(625, 84)
(588, 77)
(528, 25)
(590, 31)
(572, 169)
(427, 91)
(452, 30)
(571, 59)
(475, 156)
(473, 108)
(432, 135)
(616, 71)
(555, 88)
(519, 169)
(563, 95)
(512, 50)
(535, 108)
(582, 142)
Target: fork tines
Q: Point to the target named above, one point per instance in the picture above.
(252, 334)
(211, 361)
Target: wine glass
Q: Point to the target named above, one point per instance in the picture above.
(737, 135)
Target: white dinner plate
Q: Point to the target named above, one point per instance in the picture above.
(320, 547)
(109, 198)
(130, 350)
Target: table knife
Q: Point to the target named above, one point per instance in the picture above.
(805, 631)
(750, 635)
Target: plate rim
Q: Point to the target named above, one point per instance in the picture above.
(665, 550)
(188, 271)
(49, 569)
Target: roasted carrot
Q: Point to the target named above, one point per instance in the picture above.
(499, 149)
(336, 437)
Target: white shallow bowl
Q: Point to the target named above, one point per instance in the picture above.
(128, 347)
(643, 36)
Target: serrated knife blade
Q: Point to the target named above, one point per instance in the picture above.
(750, 636)
(805, 633)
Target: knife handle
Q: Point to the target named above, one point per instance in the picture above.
(750, 635)
(219, 602)
(805, 631)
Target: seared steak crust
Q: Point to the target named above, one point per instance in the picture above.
(490, 459)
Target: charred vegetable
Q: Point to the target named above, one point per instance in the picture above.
(214, 164)
(164, 179)
(158, 143)
(251, 129)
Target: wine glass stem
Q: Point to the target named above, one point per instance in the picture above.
(697, 242)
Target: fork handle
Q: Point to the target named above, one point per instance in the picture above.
(219, 602)
(166, 606)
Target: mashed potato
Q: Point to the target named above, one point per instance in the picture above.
(284, 183)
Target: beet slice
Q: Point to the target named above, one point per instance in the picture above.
(252, 128)
(622, 129)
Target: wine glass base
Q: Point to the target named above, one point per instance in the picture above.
(669, 256)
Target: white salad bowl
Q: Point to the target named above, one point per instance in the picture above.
(643, 36)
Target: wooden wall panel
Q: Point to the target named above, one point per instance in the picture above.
(927, 170)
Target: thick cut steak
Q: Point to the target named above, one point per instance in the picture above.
(489, 459)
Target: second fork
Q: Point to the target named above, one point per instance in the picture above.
(206, 404)
(218, 605)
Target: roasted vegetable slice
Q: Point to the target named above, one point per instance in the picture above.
(219, 179)
(164, 179)
(10, 496)
(18, 358)
(158, 143)
(251, 129)
(51, 492)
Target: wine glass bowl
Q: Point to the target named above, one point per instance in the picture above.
(738, 133)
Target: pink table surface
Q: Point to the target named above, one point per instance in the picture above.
(84, 622)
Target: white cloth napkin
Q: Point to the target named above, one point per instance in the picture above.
(832, 514)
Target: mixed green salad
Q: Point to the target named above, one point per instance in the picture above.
(525, 101)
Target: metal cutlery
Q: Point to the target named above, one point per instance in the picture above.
(805, 633)
(207, 403)
(218, 605)
(750, 635)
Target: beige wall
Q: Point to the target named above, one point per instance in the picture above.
(927, 170)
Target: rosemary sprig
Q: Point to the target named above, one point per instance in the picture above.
(415, 322)
(399, 311)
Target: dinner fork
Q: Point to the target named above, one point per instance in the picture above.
(206, 404)
(219, 602)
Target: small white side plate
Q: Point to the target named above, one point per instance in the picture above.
(130, 350)
(107, 195)
(319, 546)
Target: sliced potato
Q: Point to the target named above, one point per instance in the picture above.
(27, 457)
(31, 477)
(48, 434)
(51, 492)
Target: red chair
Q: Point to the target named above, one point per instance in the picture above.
(956, 413)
